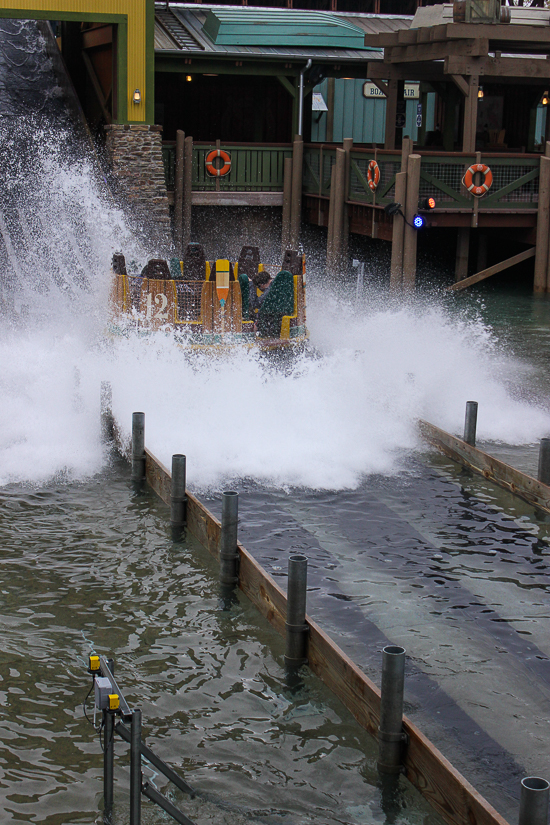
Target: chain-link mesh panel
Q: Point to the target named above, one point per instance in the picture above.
(189, 300)
(449, 174)
(312, 161)
(505, 175)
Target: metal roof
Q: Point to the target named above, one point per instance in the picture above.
(179, 28)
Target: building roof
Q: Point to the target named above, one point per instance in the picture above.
(259, 33)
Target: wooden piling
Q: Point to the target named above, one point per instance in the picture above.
(178, 193)
(287, 201)
(330, 227)
(348, 146)
(406, 150)
(296, 200)
(462, 253)
(338, 212)
(187, 191)
(410, 233)
(542, 273)
(396, 272)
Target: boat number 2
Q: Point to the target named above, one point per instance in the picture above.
(161, 301)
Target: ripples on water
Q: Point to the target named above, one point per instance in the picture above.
(92, 567)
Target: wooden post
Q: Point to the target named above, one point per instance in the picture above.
(338, 210)
(348, 145)
(540, 283)
(178, 193)
(475, 212)
(287, 200)
(410, 234)
(395, 93)
(330, 106)
(406, 149)
(396, 272)
(187, 191)
(462, 253)
(296, 200)
(470, 116)
(330, 228)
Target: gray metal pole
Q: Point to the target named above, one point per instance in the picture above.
(135, 768)
(390, 732)
(106, 411)
(178, 499)
(544, 461)
(138, 446)
(533, 802)
(296, 627)
(470, 423)
(229, 555)
(301, 97)
(108, 764)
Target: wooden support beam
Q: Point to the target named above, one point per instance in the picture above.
(96, 85)
(492, 270)
(338, 207)
(382, 86)
(395, 93)
(419, 52)
(410, 233)
(285, 82)
(470, 116)
(378, 70)
(462, 253)
(516, 67)
(461, 84)
(515, 481)
(396, 271)
(543, 226)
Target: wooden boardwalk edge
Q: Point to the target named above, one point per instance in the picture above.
(446, 790)
(515, 481)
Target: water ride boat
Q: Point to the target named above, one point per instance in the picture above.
(213, 303)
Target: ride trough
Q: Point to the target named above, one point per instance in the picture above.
(211, 304)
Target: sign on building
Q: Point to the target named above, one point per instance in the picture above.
(411, 91)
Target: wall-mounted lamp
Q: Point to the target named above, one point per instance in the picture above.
(480, 93)
(188, 78)
(136, 97)
(545, 99)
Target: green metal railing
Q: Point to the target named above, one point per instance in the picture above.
(259, 168)
(515, 178)
(254, 167)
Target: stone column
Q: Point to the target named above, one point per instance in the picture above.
(134, 154)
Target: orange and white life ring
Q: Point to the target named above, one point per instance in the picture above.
(211, 169)
(373, 175)
(468, 179)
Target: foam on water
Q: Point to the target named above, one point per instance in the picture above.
(346, 409)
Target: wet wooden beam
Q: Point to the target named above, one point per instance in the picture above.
(520, 484)
(492, 270)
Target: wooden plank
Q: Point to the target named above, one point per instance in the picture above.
(516, 482)
(437, 51)
(517, 67)
(495, 31)
(492, 270)
(424, 765)
(461, 84)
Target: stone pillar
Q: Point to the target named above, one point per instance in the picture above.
(134, 154)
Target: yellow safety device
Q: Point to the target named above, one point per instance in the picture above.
(94, 664)
(114, 701)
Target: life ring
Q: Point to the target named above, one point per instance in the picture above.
(468, 179)
(211, 169)
(373, 175)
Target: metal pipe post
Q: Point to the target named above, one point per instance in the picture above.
(470, 423)
(544, 461)
(533, 802)
(390, 732)
(301, 97)
(108, 764)
(106, 411)
(138, 447)
(135, 768)
(229, 555)
(178, 499)
(296, 627)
